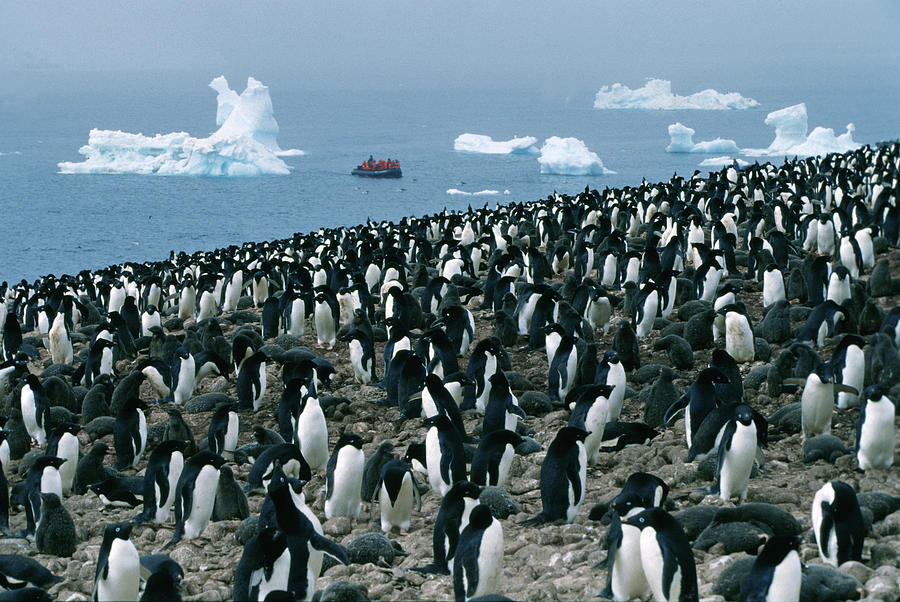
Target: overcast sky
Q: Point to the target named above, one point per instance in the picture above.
(525, 43)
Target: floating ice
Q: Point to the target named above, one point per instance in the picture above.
(477, 143)
(682, 141)
(244, 145)
(570, 157)
(456, 191)
(657, 95)
(790, 126)
(722, 161)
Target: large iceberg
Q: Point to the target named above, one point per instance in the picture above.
(722, 161)
(791, 139)
(570, 157)
(486, 192)
(657, 95)
(478, 143)
(244, 145)
(682, 141)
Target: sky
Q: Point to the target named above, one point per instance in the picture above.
(458, 44)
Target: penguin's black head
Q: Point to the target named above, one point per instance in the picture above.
(117, 531)
(713, 375)
(182, 352)
(481, 517)
(743, 414)
(350, 439)
(611, 357)
(572, 434)
(874, 392)
(467, 489)
(646, 518)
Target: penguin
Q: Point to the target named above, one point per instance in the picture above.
(43, 477)
(55, 533)
(436, 399)
(208, 362)
(343, 477)
(460, 327)
(849, 365)
(326, 317)
(563, 368)
(195, 495)
(18, 571)
(161, 587)
(563, 476)
(820, 323)
(611, 372)
(251, 382)
(130, 434)
(164, 468)
(231, 502)
(35, 409)
(183, 375)
(362, 355)
(645, 309)
(115, 492)
(312, 434)
(242, 347)
(372, 469)
(397, 491)
(178, 430)
(838, 285)
(63, 443)
(625, 573)
(875, 433)
(773, 285)
(61, 351)
(150, 318)
(591, 413)
(817, 400)
(483, 364)
(666, 556)
(776, 573)
(737, 451)
(478, 561)
(626, 346)
(493, 457)
(698, 401)
(287, 456)
(264, 566)
(271, 318)
(90, 468)
(444, 454)
(118, 565)
(502, 410)
(452, 518)
(739, 341)
(4, 501)
(837, 523)
(223, 431)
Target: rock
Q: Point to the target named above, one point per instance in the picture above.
(499, 501)
(342, 591)
(337, 526)
(535, 403)
(857, 570)
(883, 554)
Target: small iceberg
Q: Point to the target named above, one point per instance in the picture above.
(458, 192)
(657, 95)
(722, 161)
(244, 145)
(570, 157)
(791, 139)
(682, 141)
(478, 143)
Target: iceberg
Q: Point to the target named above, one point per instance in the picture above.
(722, 161)
(657, 95)
(478, 143)
(791, 139)
(456, 191)
(682, 141)
(244, 145)
(570, 157)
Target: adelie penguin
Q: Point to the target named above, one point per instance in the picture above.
(737, 451)
(264, 566)
(849, 362)
(63, 443)
(183, 375)
(55, 532)
(493, 457)
(251, 382)
(343, 477)
(739, 341)
(776, 573)
(817, 400)
(195, 494)
(875, 432)
(130, 434)
(397, 493)
(223, 431)
(444, 453)
(43, 477)
(372, 469)
(837, 523)
(362, 355)
(478, 561)
(326, 317)
(698, 401)
(312, 434)
(666, 556)
(35, 409)
(118, 565)
(591, 413)
(161, 477)
(563, 476)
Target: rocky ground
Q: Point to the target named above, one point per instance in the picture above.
(557, 561)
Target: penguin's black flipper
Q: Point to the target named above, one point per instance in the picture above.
(673, 410)
(323, 544)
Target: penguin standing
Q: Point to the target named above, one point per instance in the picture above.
(251, 382)
(43, 477)
(875, 433)
(130, 434)
(63, 443)
(502, 411)
(591, 413)
(493, 457)
(231, 502)
(164, 468)
(61, 351)
(362, 355)
(397, 492)
(645, 309)
(118, 565)
(343, 477)
(739, 342)
(698, 401)
(563, 476)
(150, 318)
(444, 454)
(849, 362)
(837, 523)
(264, 566)
(372, 470)
(223, 431)
(183, 375)
(610, 371)
(773, 285)
(452, 518)
(478, 561)
(666, 556)
(776, 573)
(312, 434)
(737, 451)
(55, 533)
(195, 495)
(35, 409)
(326, 317)
(817, 400)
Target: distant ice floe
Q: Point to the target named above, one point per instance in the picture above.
(682, 141)
(570, 157)
(458, 192)
(244, 145)
(791, 139)
(722, 161)
(657, 95)
(478, 143)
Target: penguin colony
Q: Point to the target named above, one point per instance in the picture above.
(645, 371)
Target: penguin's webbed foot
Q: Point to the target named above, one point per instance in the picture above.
(432, 569)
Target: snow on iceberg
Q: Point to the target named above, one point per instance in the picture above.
(791, 139)
(570, 157)
(478, 143)
(657, 95)
(682, 141)
(458, 192)
(722, 161)
(244, 145)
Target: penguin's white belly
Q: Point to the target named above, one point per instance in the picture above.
(433, 462)
(877, 436)
(503, 467)
(773, 287)
(324, 324)
(595, 424)
(651, 306)
(853, 375)
(628, 579)
(298, 318)
(738, 463)
(345, 494)
(490, 560)
(68, 448)
(816, 407)
(398, 514)
(204, 496)
(356, 357)
(185, 388)
(281, 570)
(313, 434)
(231, 434)
(123, 575)
(652, 562)
(51, 482)
(786, 579)
(575, 504)
(176, 465)
(739, 338)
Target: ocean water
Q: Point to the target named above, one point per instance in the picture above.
(55, 223)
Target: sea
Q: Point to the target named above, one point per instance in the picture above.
(56, 223)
